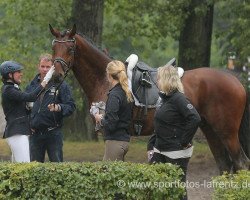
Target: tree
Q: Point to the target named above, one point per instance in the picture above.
(24, 30)
(232, 27)
(196, 35)
(187, 21)
(88, 17)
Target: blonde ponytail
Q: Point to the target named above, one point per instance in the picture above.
(118, 71)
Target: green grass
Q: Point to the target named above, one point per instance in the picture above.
(93, 151)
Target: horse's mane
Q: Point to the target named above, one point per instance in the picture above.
(89, 40)
(94, 44)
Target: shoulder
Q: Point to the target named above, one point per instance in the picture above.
(34, 82)
(65, 85)
(65, 88)
(179, 98)
(7, 87)
(118, 92)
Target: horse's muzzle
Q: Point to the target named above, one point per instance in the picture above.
(57, 78)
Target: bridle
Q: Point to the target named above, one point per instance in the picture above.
(65, 66)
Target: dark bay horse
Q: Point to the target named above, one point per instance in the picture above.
(218, 96)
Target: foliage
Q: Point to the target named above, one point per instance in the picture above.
(232, 27)
(144, 27)
(100, 180)
(24, 29)
(232, 186)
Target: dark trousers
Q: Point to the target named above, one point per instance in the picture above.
(182, 162)
(52, 142)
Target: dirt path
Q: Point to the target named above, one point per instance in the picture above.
(199, 176)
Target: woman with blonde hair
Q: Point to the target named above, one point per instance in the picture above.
(175, 122)
(118, 113)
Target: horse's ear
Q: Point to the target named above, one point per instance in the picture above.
(72, 31)
(54, 32)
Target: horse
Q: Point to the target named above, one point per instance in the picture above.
(219, 97)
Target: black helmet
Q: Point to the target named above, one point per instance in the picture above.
(9, 67)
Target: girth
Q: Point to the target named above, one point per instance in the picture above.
(145, 90)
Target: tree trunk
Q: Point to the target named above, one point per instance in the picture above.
(88, 17)
(195, 37)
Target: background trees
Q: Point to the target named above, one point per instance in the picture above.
(156, 31)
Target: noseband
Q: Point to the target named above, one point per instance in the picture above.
(65, 66)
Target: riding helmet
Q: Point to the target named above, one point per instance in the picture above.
(9, 67)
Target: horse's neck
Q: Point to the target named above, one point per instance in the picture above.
(89, 69)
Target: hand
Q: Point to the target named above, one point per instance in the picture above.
(98, 118)
(150, 154)
(29, 105)
(49, 74)
(54, 107)
(186, 146)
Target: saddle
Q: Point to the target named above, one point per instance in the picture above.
(144, 84)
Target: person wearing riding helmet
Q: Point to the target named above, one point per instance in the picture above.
(14, 106)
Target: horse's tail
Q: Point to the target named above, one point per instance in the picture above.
(244, 134)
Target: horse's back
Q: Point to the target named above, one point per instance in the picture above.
(215, 93)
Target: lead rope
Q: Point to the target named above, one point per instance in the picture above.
(54, 98)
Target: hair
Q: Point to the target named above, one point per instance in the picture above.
(117, 70)
(5, 78)
(168, 79)
(45, 56)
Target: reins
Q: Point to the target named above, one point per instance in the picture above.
(65, 67)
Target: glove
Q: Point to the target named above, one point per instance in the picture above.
(49, 74)
(29, 105)
(94, 109)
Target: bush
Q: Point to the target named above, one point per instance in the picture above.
(232, 186)
(100, 180)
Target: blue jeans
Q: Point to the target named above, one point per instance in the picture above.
(52, 142)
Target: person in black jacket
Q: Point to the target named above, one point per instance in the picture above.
(118, 113)
(47, 115)
(14, 106)
(175, 122)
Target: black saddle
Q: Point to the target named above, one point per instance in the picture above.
(144, 88)
(144, 84)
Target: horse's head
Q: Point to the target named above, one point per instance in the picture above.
(63, 47)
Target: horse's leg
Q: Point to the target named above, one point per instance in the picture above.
(219, 152)
(239, 158)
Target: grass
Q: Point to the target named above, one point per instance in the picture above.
(93, 151)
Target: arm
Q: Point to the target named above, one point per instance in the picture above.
(17, 95)
(66, 103)
(151, 142)
(111, 117)
(150, 147)
(192, 119)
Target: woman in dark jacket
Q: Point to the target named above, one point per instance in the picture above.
(14, 106)
(176, 121)
(118, 113)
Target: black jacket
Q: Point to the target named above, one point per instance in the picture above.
(41, 118)
(14, 107)
(175, 123)
(118, 115)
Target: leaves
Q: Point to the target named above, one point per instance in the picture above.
(232, 27)
(100, 180)
(24, 30)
